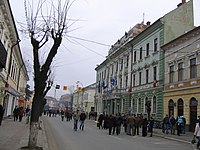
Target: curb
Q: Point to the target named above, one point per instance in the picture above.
(171, 138)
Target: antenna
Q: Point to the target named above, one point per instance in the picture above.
(143, 18)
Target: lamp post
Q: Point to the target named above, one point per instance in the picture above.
(77, 83)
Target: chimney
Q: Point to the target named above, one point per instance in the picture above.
(183, 1)
(148, 23)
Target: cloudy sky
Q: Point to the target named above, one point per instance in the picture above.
(101, 21)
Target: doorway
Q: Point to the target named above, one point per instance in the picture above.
(193, 113)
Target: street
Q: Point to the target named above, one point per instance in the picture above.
(60, 136)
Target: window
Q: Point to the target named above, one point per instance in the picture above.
(155, 73)
(116, 66)
(127, 59)
(112, 69)
(140, 78)
(134, 80)
(145, 107)
(126, 81)
(139, 105)
(193, 68)
(171, 74)
(134, 56)
(120, 83)
(180, 71)
(140, 52)
(147, 76)
(155, 45)
(121, 64)
(154, 105)
(147, 49)
(104, 74)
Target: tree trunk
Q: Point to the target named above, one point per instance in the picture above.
(33, 135)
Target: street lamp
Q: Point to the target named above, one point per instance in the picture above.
(78, 90)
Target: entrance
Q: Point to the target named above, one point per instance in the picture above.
(171, 105)
(193, 113)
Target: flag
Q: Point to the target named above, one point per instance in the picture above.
(64, 87)
(112, 81)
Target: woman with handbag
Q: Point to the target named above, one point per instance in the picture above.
(197, 133)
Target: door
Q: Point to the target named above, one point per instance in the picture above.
(193, 113)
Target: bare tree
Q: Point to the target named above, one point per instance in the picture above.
(47, 23)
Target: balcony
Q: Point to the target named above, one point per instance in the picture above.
(3, 55)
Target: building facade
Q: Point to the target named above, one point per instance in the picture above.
(182, 77)
(83, 98)
(13, 74)
(133, 72)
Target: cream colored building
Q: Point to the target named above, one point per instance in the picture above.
(182, 77)
(13, 76)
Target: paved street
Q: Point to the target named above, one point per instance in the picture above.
(61, 136)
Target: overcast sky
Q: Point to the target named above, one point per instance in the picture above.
(103, 21)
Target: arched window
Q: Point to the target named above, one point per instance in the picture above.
(145, 107)
(171, 105)
(154, 105)
(133, 105)
(139, 105)
(180, 107)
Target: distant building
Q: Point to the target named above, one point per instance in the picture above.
(83, 99)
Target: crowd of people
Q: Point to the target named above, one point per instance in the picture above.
(171, 124)
(131, 123)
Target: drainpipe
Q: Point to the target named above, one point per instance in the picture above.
(9, 68)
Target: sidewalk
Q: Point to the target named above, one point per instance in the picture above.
(185, 138)
(14, 135)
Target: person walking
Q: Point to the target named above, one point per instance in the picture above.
(21, 114)
(197, 133)
(110, 125)
(144, 126)
(82, 120)
(172, 122)
(166, 124)
(16, 113)
(150, 126)
(100, 120)
(179, 122)
(62, 113)
(76, 118)
(1, 113)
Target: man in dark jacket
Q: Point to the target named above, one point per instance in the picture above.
(82, 120)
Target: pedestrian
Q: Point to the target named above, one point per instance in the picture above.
(118, 122)
(150, 126)
(110, 124)
(166, 124)
(82, 120)
(183, 125)
(16, 113)
(197, 133)
(100, 120)
(21, 114)
(62, 114)
(144, 126)
(1, 113)
(76, 118)
(172, 122)
(137, 124)
(130, 125)
(178, 124)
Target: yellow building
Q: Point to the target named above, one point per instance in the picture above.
(182, 77)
